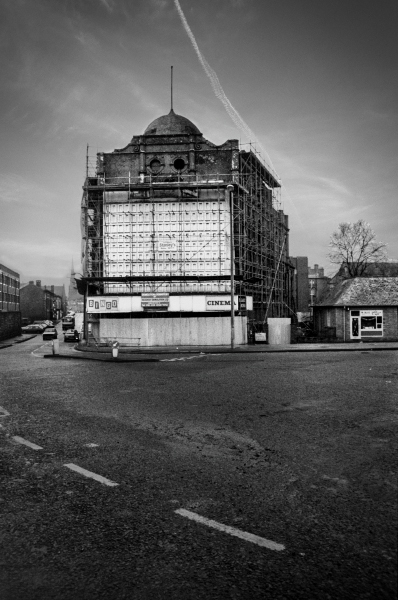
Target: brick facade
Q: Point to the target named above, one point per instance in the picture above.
(340, 318)
(10, 324)
(38, 304)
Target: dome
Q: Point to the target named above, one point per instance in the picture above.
(171, 124)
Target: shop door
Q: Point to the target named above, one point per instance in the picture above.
(355, 331)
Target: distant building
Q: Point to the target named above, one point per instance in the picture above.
(75, 300)
(373, 269)
(318, 284)
(61, 303)
(310, 285)
(41, 303)
(157, 240)
(301, 290)
(10, 316)
(361, 308)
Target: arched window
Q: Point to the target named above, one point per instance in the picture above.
(155, 166)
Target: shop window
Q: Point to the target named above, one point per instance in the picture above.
(366, 323)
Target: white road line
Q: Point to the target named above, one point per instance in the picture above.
(90, 474)
(244, 535)
(4, 412)
(20, 440)
(37, 350)
(185, 358)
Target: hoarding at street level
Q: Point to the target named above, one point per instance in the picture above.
(166, 302)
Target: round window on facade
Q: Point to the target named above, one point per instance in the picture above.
(155, 165)
(179, 164)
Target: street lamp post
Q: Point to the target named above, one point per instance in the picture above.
(230, 189)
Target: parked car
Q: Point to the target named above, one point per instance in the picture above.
(32, 329)
(50, 333)
(71, 335)
(41, 323)
(49, 323)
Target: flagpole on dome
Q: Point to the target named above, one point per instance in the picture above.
(171, 85)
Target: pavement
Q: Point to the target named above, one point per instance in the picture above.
(144, 354)
(15, 340)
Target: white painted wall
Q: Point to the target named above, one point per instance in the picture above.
(279, 331)
(179, 331)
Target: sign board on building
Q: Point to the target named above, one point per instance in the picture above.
(259, 336)
(371, 313)
(167, 245)
(155, 300)
(102, 304)
(223, 303)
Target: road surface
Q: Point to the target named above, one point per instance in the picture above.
(225, 476)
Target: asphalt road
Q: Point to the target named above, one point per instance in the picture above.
(218, 477)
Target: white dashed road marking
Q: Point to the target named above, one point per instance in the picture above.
(4, 412)
(186, 357)
(90, 474)
(20, 440)
(243, 535)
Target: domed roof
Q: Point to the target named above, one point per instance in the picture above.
(171, 124)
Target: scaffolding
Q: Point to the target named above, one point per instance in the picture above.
(124, 222)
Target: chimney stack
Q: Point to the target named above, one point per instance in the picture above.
(38, 282)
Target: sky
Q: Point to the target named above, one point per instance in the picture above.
(315, 80)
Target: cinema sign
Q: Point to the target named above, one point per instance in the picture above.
(223, 303)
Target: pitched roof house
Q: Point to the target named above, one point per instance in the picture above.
(363, 308)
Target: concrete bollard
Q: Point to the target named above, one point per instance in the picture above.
(56, 346)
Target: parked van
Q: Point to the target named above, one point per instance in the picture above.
(68, 322)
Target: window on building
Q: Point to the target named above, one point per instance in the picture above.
(366, 323)
(179, 164)
(155, 166)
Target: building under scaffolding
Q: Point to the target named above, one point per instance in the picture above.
(156, 240)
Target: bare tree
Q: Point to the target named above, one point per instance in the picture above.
(354, 246)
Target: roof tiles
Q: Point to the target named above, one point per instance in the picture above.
(363, 291)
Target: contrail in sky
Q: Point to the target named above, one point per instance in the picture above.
(216, 85)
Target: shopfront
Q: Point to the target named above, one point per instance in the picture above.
(366, 324)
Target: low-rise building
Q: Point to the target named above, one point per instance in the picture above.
(360, 309)
(38, 303)
(60, 305)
